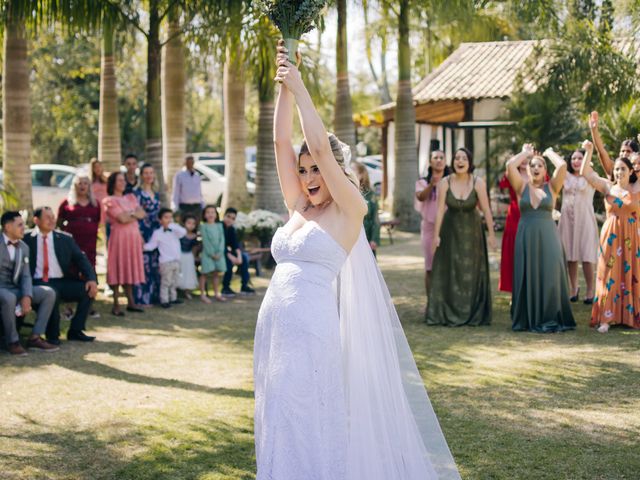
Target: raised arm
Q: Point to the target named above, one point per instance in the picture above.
(285, 154)
(345, 194)
(597, 182)
(485, 206)
(513, 175)
(559, 172)
(443, 187)
(605, 159)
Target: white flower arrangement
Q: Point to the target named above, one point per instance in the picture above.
(243, 222)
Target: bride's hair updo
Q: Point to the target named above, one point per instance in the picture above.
(342, 154)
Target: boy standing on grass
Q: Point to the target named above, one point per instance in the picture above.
(167, 240)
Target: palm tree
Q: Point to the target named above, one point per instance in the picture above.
(268, 194)
(173, 101)
(109, 150)
(16, 107)
(406, 154)
(343, 112)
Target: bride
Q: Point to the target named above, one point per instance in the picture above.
(338, 395)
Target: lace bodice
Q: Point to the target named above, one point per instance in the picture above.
(315, 253)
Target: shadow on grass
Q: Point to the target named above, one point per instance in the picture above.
(75, 361)
(210, 449)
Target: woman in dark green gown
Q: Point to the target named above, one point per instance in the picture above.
(459, 291)
(540, 301)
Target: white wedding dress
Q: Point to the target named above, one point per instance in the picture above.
(337, 393)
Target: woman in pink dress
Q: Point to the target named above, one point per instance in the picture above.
(425, 203)
(578, 227)
(125, 265)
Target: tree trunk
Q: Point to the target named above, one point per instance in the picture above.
(173, 103)
(406, 155)
(343, 114)
(268, 193)
(16, 107)
(153, 147)
(108, 126)
(235, 132)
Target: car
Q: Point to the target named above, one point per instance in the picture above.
(212, 184)
(50, 183)
(218, 164)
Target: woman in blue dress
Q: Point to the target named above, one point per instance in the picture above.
(148, 292)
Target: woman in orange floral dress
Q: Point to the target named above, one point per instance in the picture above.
(617, 300)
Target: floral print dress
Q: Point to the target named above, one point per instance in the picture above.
(617, 300)
(148, 292)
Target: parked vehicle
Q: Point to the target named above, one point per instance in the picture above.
(374, 169)
(50, 183)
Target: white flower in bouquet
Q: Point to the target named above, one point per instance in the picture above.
(293, 18)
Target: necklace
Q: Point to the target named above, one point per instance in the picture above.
(320, 206)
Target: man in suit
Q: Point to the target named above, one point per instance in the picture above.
(17, 293)
(55, 262)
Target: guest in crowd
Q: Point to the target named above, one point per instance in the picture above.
(460, 291)
(426, 204)
(147, 293)
(130, 176)
(187, 191)
(235, 256)
(628, 148)
(17, 293)
(212, 258)
(617, 300)
(505, 284)
(57, 261)
(166, 239)
(79, 215)
(371, 221)
(578, 227)
(125, 265)
(540, 299)
(188, 245)
(98, 179)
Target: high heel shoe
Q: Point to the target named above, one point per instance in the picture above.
(574, 299)
(588, 301)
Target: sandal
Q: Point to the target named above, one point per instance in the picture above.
(575, 297)
(220, 298)
(117, 313)
(205, 299)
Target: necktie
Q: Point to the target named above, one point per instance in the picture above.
(13, 244)
(45, 259)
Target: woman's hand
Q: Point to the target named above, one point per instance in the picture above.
(593, 120)
(588, 146)
(528, 150)
(436, 244)
(287, 73)
(216, 256)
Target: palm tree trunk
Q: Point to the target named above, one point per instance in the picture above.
(108, 126)
(173, 102)
(153, 147)
(16, 107)
(406, 154)
(268, 193)
(235, 131)
(343, 113)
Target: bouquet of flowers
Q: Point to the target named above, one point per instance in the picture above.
(264, 225)
(293, 18)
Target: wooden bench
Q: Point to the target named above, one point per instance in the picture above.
(389, 225)
(256, 256)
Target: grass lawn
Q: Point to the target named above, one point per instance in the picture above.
(168, 394)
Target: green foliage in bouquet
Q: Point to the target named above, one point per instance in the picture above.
(293, 17)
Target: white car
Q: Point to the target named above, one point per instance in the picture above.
(50, 183)
(212, 184)
(218, 164)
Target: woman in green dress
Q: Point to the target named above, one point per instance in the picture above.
(459, 291)
(540, 301)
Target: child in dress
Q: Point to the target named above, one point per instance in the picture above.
(212, 258)
(189, 277)
(167, 240)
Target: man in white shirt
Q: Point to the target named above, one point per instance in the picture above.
(167, 240)
(187, 190)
